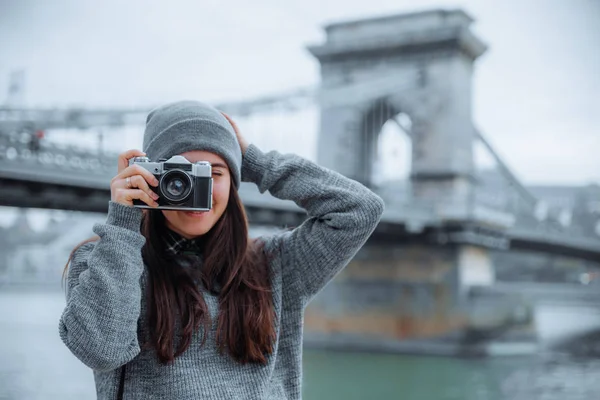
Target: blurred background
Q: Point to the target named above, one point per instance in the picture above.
(477, 122)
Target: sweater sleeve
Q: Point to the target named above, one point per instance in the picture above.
(342, 214)
(99, 322)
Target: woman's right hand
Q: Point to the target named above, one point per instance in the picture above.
(132, 182)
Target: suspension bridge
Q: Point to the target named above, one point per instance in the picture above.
(440, 225)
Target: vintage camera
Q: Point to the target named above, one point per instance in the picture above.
(182, 185)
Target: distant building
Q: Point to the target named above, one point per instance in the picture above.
(39, 257)
(575, 206)
(12, 237)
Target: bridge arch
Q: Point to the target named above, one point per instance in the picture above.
(385, 158)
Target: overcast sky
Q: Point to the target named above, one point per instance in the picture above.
(535, 90)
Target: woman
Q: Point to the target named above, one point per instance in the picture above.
(180, 305)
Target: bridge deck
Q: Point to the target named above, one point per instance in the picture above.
(62, 178)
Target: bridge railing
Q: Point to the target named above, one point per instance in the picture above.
(18, 150)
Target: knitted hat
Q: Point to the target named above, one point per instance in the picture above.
(184, 126)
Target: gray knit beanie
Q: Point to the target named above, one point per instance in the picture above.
(190, 125)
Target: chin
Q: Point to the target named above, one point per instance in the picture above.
(190, 224)
(194, 231)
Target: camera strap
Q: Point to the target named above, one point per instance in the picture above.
(121, 384)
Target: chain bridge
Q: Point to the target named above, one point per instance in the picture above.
(412, 70)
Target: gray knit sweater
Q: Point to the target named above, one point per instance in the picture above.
(104, 319)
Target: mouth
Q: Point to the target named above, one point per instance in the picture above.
(195, 214)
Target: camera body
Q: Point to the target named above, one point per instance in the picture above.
(182, 185)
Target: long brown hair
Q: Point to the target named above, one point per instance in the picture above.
(231, 266)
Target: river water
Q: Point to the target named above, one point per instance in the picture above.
(35, 365)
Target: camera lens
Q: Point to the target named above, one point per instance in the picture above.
(176, 186)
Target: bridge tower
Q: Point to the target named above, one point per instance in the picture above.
(419, 64)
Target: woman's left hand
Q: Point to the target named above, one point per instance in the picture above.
(242, 141)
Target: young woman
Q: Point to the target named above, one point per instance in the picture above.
(183, 305)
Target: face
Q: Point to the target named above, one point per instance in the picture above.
(194, 224)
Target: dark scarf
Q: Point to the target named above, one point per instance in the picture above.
(176, 244)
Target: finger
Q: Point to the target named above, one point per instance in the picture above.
(233, 124)
(141, 195)
(128, 195)
(138, 181)
(133, 170)
(123, 161)
(241, 140)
